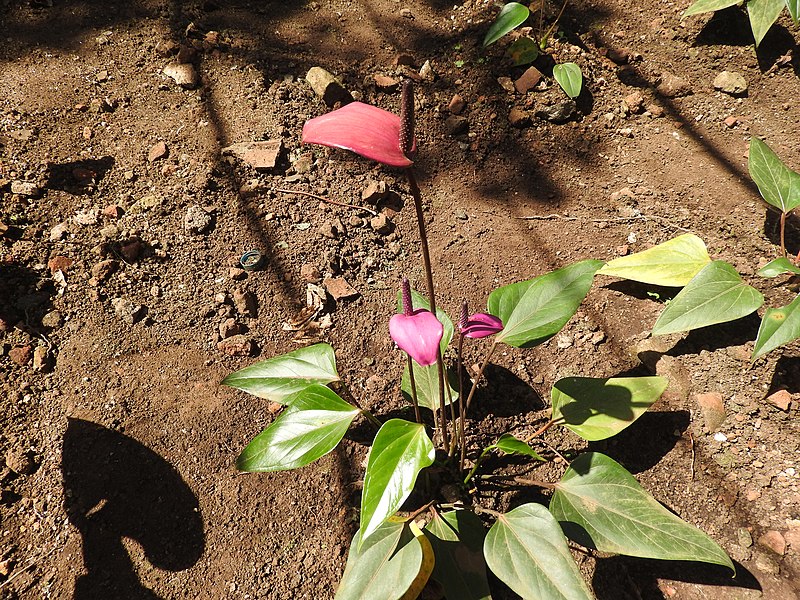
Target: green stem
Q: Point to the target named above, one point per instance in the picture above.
(413, 389)
(477, 464)
(783, 234)
(480, 374)
(371, 418)
(461, 412)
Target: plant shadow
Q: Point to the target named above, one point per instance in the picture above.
(116, 488)
(786, 375)
(506, 395)
(79, 176)
(772, 229)
(643, 445)
(629, 578)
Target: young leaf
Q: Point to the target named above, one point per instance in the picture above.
(671, 264)
(777, 183)
(523, 51)
(420, 301)
(702, 6)
(535, 310)
(778, 327)
(570, 78)
(510, 17)
(779, 266)
(794, 10)
(600, 505)
(427, 382)
(399, 452)
(394, 563)
(457, 539)
(596, 409)
(763, 13)
(312, 426)
(278, 378)
(716, 294)
(511, 445)
(527, 551)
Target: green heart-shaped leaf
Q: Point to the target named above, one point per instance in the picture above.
(671, 264)
(794, 10)
(777, 183)
(512, 445)
(510, 17)
(596, 409)
(779, 266)
(702, 6)
(312, 426)
(600, 505)
(278, 378)
(457, 539)
(527, 551)
(394, 563)
(778, 327)
(763, 13)
(570, 78)
(427, 382)
(523, 51)
(716, 294)
(533, 311)
(399, 452)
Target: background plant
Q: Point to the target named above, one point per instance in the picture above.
(762, 13)
(596, 502)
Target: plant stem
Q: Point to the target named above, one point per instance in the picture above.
(477, 464)
(541, 430)
(419, 511)
(486, 511)
(461, 412)
(426, 260)
(413, 389)
(783, 233)
(543, 41)
(352, 400)
(371, 418)
(480, 374)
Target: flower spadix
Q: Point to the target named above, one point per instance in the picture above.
(367, 130)
(416, 332)
(478, 325)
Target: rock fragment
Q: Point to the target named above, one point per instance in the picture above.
(59, 263)
(782, 399)
(634, 102)
(713, 408)
(261, 155)
(386, 83)
(381, 224)
(21, 355)
(236, 345)
(672, 86)
(228, 328)
(774, 541)
(25, 188)
(518, 118)
(731, 83)
(157, 151)
(456, 105)
(245, 303)
(21, 460)
(197, 220)
(127, 311)
(528, 80)
(456, 125)
(310, 273)
(183, 74)
(375, 192)
(104, 269)
(326, 86)
(41, 359)
(339, 288)
(557, 113)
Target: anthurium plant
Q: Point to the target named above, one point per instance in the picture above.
(449, 539)
(762, 13)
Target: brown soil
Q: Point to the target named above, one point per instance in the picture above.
(119, 450)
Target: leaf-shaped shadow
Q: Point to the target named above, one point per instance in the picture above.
(115, 487)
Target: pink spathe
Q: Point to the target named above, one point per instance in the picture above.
(367, 130)
(418, 334)
(481, 325)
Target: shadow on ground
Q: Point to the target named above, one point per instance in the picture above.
(116, 488)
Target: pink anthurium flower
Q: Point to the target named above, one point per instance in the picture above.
(416, 332)
(367, 130)
(478, 325)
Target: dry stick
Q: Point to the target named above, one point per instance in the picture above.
(540, 431)
(316, 197)
(609, 220)
(426, 260)
(414, 390)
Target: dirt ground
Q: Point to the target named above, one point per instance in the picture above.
(122, 307)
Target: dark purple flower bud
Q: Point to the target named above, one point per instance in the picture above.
(463, 317)
(481, 325)
(407, 118)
